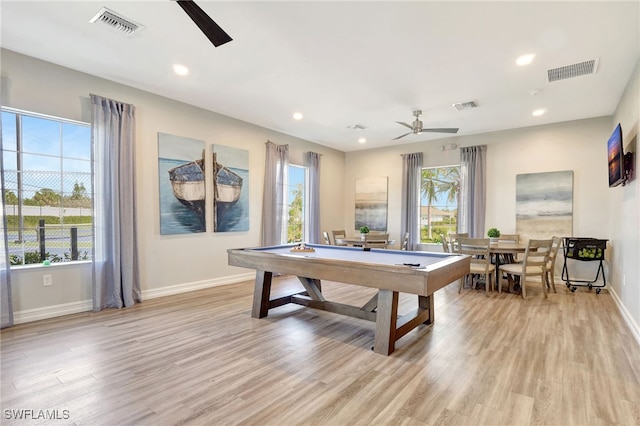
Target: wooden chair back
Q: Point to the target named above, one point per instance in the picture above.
(339, 235)
(446, 248)
(537, 254)
(509, 238)
(376, 240)
(556, 242)
(453, 240)
(478, 249)
(534, 263)
(327, 238)
(405, 242)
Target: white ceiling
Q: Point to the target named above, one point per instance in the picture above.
(344, 63)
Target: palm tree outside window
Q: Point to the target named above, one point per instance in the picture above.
(439, 189)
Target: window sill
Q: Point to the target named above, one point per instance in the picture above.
(53, 265)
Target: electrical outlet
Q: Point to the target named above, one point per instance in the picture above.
(47, 280)
(624, 280)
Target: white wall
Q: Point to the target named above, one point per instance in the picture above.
(576, 145)
(624, 208)
(168, 263)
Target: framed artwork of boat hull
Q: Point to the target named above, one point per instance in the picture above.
(230, 189)
(181, 177)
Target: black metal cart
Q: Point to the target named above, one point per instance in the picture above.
(585, 250)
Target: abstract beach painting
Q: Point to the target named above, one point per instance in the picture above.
(544, 205)
(371, 203)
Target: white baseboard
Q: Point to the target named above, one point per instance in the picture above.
(29, 315)
(196, 285)
(47, 312)
(631, 323)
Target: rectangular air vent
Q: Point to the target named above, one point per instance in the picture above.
(571, 71)
(356, 127)
(116, 22)
(461, 106)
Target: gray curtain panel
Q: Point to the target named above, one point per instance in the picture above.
(116, 277)
(410, 208)
(6, 308)
(313, 164)
(275, 172)
(473, 177)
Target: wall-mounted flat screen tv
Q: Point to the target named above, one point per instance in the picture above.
(616, 158)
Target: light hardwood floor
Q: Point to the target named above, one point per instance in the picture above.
(200, 359)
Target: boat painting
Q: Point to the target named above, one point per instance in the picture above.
(227, 185)
(188, 184)
(231, 195)
(180, 174)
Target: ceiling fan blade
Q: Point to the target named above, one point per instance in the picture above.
(402, 136)
(443, 130)
(405, 124)
(214, 33)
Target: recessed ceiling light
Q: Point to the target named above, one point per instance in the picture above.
(180, 69)
(297, 116)
(538, 112)
(525, 59)
(362, 140)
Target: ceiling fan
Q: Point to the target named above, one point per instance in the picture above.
(416, 127)
(214, 33)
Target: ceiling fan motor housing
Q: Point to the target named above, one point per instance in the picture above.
(417, 126)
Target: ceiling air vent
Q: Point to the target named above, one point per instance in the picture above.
(571, 71)
(117, 22)
(356, 127)
(461, 106)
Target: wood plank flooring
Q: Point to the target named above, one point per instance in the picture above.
(200, 359)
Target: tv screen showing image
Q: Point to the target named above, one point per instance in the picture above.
(615, 155)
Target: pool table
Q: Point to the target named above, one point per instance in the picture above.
(390, 271)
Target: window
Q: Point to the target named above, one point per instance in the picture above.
(296, 204)
(48, 187)
(439, 190)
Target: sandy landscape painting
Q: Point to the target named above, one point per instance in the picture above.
(544, 205)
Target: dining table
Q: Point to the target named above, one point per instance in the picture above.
(504, 248)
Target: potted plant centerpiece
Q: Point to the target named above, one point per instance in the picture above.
(364, 230)
(493, 234)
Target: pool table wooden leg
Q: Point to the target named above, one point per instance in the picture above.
(426, 303)
(261, 294)
(386, 322)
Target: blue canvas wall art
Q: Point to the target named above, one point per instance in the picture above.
(181, 178)
(231, 189)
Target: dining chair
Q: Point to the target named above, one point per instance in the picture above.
(478, 249)
(445, 243)
(551, 263)
(338, 237)
(508, 238)
(453, 240)
(376, 240)
(327, 238)
(533, 264)
(405, 242)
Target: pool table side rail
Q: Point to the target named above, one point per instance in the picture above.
(404, 279)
